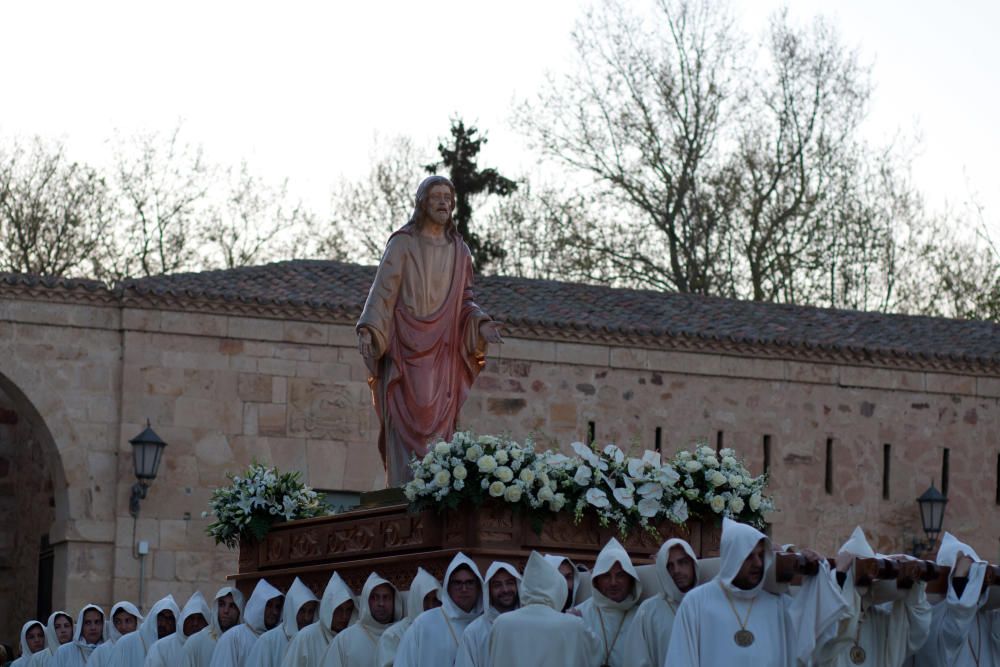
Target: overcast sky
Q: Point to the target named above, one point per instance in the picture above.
(301, 88)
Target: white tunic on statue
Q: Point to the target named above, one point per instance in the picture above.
(649, 635)
(76, 653)
(44, 657)
(233, 647)
(473, 651)
(169, 651)
(432, 639)
(25, 651)
(786, 630)
(309, 645)
(539, 634)
(962, 633)
(887, 633)
(422, 585)
(131, 650)
(607, 619)
(270, 649)
(199, 648)
(101, 657)
(357, 645)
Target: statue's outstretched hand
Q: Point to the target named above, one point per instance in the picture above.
(365, 343)
(490, 330)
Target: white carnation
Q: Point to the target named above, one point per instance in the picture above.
(501, 457)
(497, 489)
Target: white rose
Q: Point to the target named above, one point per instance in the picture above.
(718, 504)
(527, 476)
(410, 493)
(729, 461)
(755, 502)
(597, 498)
(558, 502)
(736, 505)
(504, 474)
(442, 448)
(443, 478)
(705, 451)
(711, 462)
(683, 456)
(501, 457)
(435, 468)
(497, 489)
(545, 494)
(692, 466)
(487, 464)
(543, 478)
(460, 472)
(419, 484)
(691, 494)
(473, 453)
(517, 452)
(717, 478)
(428, 458)
(582, 476)
(512, 494)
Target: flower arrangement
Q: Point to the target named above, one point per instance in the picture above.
(625, 491)
(257, 499)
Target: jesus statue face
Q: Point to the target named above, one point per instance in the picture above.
(752, 570)
(439, 205)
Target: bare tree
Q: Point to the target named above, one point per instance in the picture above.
(53, 212)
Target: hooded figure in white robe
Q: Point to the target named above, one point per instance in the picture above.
(432, 639)
(233, 648)
(422, 585)
(309, 646)
(649, 636)
(607, 619)
(199, 648)
(44, 658)
(169, 651)
(270, 649)
(539, 634)
(580, 591)
(357, 645)
(474, 649)
(962, 633)
(76, 653)
(873, 635)
(772, 630)
(131, 650)
(101, 657)
(26, 651)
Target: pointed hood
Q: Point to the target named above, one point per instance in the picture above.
(51, 640)
(948, 551)
(213, 622)
(857, 545)
(25, 651)
(667, 586)
(422, 584)
(253, 615)
(738, 542)
(195, 605)
(497, 566)
(298, 595)
(581, 586)
(335, 594)
(78, 628)
(613, 552)
(148, 628)
(452, 609)
(367, 620)
(127, 607)
(543, 583)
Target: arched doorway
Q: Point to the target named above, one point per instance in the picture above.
(29, 480)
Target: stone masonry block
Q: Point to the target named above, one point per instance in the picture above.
(586, 355)
(306, 332)
(197, 324)
(271, 419)
(529, 350)
(629, 357)
(988, 387)
(684, 362)
(943, 383)
(256, 328)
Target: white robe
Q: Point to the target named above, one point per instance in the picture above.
(356, 646)
(960, 627)
(786, 630)
(25, 651)
(270, 649)
(169, 651)
(308, 647)
(101, 657)
(649, 635)
(607, 619)
(76, 653)
(131, 650)
(887, 633)
(539, 634)
(422, 585)
(473, 651)
(432, 639)
(233, 647)
(44, 657)
(199, 648)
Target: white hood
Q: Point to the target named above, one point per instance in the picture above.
(578, 578)
(663, 578)
(221, 593)
(497, 566)
(367, 620)
(543, 584)
(335, 594)
(298, 595)
(195, 605)
(948, 551)
(857, 545)
(51, 640)
(452, 609)
(126, 606)
(613, 552)
(78, 628)
(253, 616)
(738, 541)
(422, 584)
(25, 651)
(148, 628)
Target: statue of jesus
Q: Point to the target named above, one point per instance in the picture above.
(421, 335)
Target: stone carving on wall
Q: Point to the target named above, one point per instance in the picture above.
(322, 410)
